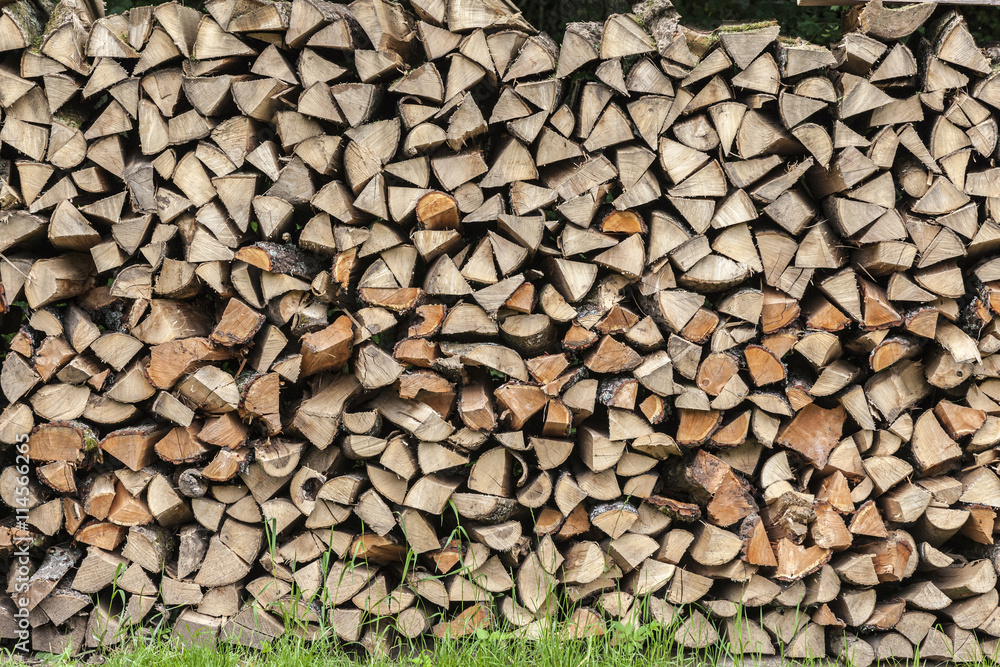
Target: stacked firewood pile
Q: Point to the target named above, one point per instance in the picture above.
(390, 319)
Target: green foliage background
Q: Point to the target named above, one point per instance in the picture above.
(815, 24)
(119, 6)
(821, 25)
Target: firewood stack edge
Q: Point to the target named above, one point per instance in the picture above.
(397, 321)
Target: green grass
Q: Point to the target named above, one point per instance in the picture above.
(650, 646)
(623, 645)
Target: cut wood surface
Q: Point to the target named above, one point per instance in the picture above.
(408, 319)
